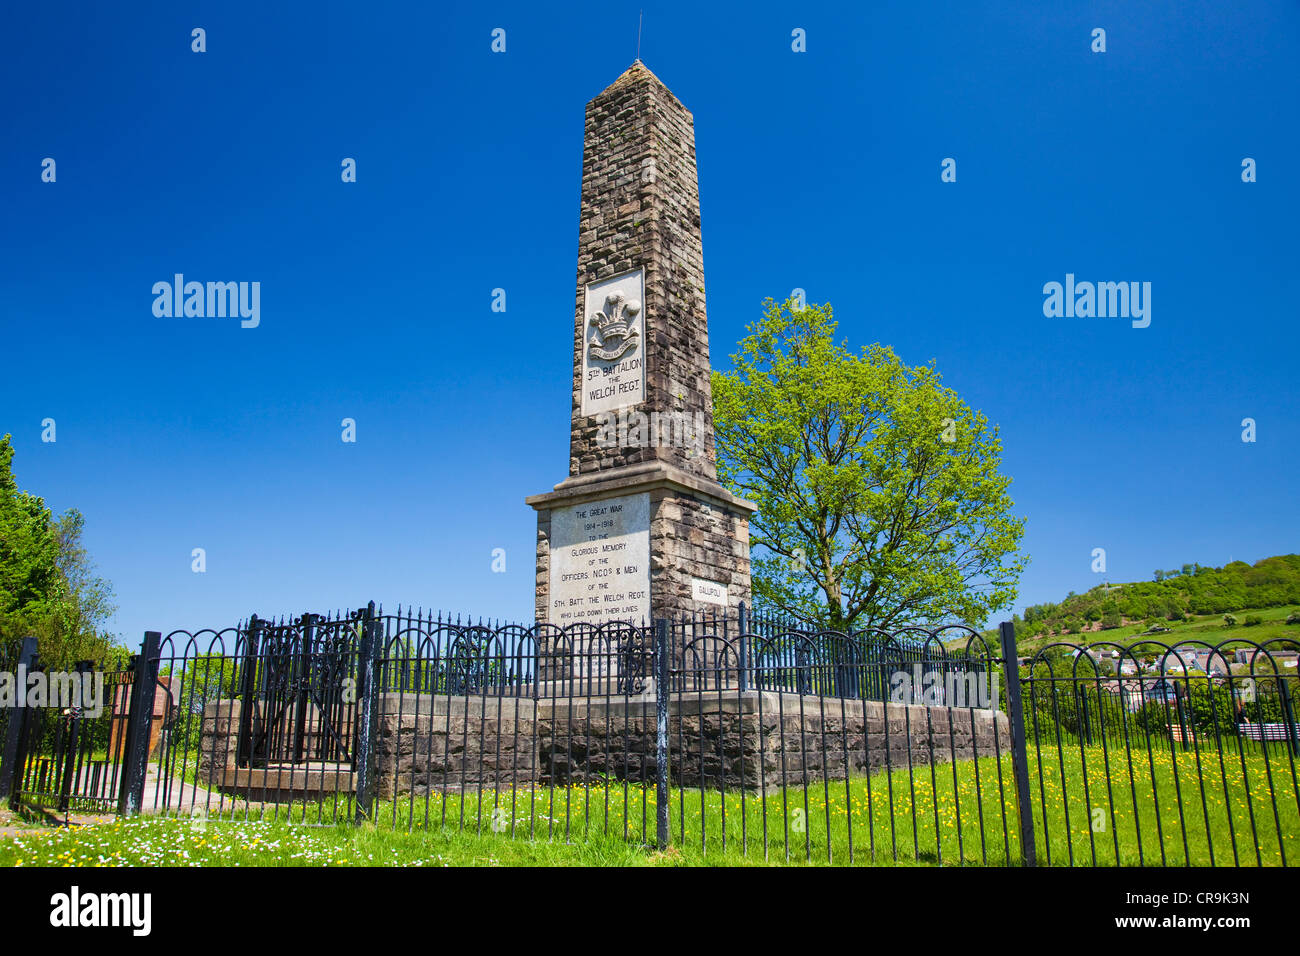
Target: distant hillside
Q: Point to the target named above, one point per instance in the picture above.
(1190, 590)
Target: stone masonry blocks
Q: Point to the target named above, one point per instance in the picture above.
(640, 207)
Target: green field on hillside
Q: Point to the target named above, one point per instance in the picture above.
(1191, 599)
(1209, 628)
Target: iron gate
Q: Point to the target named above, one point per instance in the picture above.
(69, 756)
(298, 692)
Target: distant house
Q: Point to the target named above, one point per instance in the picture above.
(1119, 688)
(1140, 692)
(1161, 690)
(1197, 658)
(1135, 694)
(1104, 660)
(1282, 658)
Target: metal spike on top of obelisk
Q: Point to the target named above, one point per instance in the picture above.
(640, 528)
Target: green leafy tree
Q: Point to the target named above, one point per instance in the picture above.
(1211, 708)
(48, 586)
(29, 547)
(878, 491)
(205, 679)
(1152, 718)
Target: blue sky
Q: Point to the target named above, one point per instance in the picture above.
(818, 170)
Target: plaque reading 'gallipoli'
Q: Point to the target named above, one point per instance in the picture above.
(600, 561)
(613, 354)
(709, 592)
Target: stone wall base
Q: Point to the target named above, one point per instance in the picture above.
(752, 741)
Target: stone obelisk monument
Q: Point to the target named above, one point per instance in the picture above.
(641, 528)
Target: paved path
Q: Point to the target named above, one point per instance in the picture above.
(180, 797)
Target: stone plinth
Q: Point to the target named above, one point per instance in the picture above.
(759, 740)
(698, 531)
(432, 742)
(753, 740)
(219, 739)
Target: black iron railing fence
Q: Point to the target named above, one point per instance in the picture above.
(1135, 728)
(433, 650)
(10, 655)
(717, 734)
(63, 738)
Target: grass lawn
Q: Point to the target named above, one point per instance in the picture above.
(930, 816)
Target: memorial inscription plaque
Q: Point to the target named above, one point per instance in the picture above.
(600, 561)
